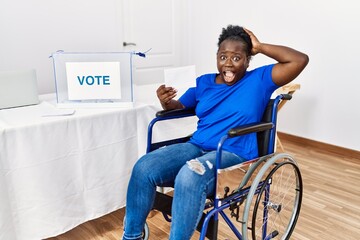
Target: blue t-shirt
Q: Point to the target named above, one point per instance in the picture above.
(220, 107)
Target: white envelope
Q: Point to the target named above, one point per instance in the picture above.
(180, 78)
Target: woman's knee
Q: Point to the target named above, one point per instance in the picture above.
(194, 173)
(140, 167)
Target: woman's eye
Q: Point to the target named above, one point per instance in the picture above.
(222, 58)
(236, 59)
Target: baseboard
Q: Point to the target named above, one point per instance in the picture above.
(350, 153)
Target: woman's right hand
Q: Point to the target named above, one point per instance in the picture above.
(166, 94)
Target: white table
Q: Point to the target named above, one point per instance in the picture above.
(58, 172)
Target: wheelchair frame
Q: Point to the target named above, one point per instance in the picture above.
(256, 194)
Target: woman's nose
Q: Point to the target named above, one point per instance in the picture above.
(228, 62)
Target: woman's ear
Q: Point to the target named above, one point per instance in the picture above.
(247, 63)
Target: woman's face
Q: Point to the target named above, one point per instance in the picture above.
(232, 62)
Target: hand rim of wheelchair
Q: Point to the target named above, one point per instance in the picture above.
(255, 191)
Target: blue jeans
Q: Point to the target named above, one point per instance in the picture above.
(186, 167)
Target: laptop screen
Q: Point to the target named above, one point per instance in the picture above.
(18, 88)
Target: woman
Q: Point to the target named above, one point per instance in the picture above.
(231, 97)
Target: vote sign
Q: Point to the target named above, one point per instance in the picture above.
(93, 80)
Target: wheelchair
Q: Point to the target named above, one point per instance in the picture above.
(258, 199)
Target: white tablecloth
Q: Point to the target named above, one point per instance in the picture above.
(58, 172)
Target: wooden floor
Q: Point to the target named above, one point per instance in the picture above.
(330, 208)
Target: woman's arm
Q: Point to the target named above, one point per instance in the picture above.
(290, 61)
(166, 96)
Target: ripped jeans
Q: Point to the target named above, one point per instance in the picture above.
(190, 170)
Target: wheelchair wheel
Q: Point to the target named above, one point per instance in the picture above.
(273, 203)
(145, 232)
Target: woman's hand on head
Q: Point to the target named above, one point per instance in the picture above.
(290, 62)
(254, 41)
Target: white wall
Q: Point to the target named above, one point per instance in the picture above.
(326, 108)
(30, 31)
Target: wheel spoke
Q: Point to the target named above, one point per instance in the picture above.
(282, 206)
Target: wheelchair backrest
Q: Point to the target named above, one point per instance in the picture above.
(264, 138)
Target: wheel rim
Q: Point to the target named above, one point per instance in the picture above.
(277, 204)
(146, 232)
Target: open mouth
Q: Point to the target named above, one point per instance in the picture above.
(228, 76)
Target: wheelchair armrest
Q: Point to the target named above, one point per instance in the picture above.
(286, 96)
(185, 112)
(250, 128)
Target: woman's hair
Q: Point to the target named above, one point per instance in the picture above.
(236, 33)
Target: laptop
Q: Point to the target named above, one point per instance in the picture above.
(18, 88)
